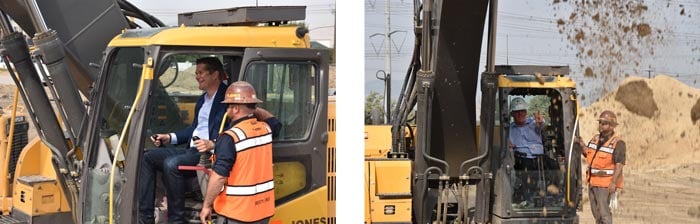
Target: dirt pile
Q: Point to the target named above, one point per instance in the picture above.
(663, 149)
(657, 120)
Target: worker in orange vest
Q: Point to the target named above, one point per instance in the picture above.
(241, 188)
(605, 156)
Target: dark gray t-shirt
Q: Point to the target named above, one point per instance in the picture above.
(619, 154)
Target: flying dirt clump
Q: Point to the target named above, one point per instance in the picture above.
(638, 98)
(610, 38)
(695, 112)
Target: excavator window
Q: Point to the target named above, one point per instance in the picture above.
(288, 90)
(119, 92)
(539, 161)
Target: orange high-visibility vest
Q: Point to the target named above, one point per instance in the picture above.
(601, 165)
(249, 194)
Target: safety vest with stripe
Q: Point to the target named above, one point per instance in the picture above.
(601, 165)
(249, 195)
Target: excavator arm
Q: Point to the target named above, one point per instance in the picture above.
(53, 57)
(441, 84)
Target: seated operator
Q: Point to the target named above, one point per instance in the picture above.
(209, 112)
(525, 141)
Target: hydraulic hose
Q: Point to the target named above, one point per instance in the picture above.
(460, 201)
(425, 183)
(12, 131)
(461, 166)
(568, 163)
(223, 122)
(148, 18)
(145, 74)
(443, 192)
(425, 153)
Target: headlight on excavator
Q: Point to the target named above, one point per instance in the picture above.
(389, 209)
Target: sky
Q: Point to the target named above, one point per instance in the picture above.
(528, 34)
(320, 14)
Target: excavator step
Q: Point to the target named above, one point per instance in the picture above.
(9, 220)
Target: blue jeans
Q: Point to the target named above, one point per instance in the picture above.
(165, 160)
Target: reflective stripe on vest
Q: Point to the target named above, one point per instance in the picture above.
(602, 148)
(598, 172)
(250, 190)
(239, 133)
(591, 145)
(252, 142)
(606, 150)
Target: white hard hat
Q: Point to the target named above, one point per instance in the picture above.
(518, 103)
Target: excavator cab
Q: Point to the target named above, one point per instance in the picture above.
(85, 169)
(540, 180)
(148, 86)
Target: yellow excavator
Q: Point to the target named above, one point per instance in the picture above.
(98, 77)
(435, 162)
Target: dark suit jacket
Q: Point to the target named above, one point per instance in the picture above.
(216, 115)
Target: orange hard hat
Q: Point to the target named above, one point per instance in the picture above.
(240, 92)
(608, 116)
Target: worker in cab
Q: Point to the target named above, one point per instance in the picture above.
(241, 186)
(525, 142)
(605, 157)
(209, 113)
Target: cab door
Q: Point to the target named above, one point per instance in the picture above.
(293, 85)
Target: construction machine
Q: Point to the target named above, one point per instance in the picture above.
(96, 85)
(437, 163)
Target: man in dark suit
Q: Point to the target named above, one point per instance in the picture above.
(209, 112)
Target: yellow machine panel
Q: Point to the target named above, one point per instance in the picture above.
(331, 160)
(393, 178)
(289, 177)
(36, 190)
(315, 209)
(377, 141)
(389, 188)
(558, 82)
(218, 36)
(37, 195)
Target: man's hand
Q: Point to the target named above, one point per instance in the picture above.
(160, 139)
(612, 188)
(578, 140)
(510, 145)
(204, 145)
(205, 214)
(262, 114)
(539, 118)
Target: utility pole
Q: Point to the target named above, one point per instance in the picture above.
(387, 78)
(507, 56)
(387, 63)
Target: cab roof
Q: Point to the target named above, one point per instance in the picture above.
(215, 36)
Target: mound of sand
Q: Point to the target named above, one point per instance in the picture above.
(658, 121)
